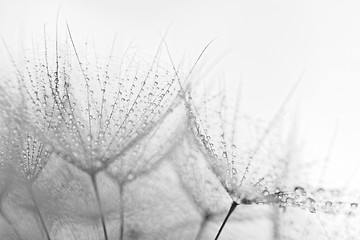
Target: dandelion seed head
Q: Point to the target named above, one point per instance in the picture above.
(228, 138)
(93, 109)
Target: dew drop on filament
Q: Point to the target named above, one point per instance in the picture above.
(265, 192)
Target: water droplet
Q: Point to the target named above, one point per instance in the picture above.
(354, 205)
(228, 183)
(328, 204)
(312, 209)
(300, 191)
(310, 201)
(265, 192)
(122, 129)
(89, 137)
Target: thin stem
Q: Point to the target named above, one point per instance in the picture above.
(122, 217)
(93, 180)
(232, 208)
(276, 225)
(39, 213)
(204, 221)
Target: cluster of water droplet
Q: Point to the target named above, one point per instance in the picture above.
(247, 156)
(92, 110)
(300, 198)
(230, 139)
